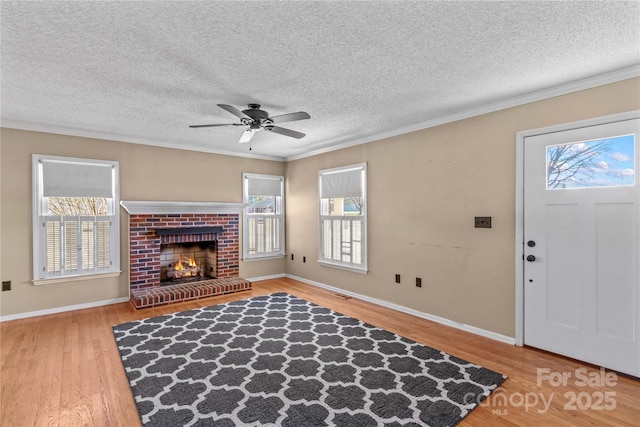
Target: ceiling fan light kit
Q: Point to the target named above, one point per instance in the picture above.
(257, 119)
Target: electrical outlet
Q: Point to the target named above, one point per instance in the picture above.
(6, 286)
(483, 222)
(397, 278)
(418, 282)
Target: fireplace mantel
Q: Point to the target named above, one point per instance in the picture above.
(138, 207)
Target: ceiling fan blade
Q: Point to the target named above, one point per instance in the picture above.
(247, 135)
(300, 115)
(284, 131)
(209, 126)
(233, 110)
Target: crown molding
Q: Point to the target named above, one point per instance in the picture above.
(564, 89)
(540, 95)
(86, 133)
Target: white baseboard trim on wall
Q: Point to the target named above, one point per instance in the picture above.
(62, 309)
(393, 306)
(447, 322)
(273, 276)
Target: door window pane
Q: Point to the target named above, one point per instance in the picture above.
(606, 162)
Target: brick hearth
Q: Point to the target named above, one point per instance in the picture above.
(152, 297)
(147, 231)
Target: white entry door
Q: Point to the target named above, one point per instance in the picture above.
(582, 244)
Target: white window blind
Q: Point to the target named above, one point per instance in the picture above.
(263, 186)
(347, 183)
(68, 179)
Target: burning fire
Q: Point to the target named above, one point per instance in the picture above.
(184, 268)
(179, 266)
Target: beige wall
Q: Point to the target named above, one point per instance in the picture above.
(146, 173)
(424, 189)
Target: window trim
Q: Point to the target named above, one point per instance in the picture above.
(246, 256)
(362, 269)
(39, 258)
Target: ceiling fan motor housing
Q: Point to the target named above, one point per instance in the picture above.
(256, 113)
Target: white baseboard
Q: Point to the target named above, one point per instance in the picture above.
(62, 309)
(393, 306)
(403, 309)
(273, 276)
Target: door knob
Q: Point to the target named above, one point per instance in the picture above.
(531, 258)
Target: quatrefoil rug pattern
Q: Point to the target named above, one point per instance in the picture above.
(280, 360)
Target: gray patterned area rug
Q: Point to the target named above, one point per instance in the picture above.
(280, 360)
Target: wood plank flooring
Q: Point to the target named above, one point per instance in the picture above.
(64, 369)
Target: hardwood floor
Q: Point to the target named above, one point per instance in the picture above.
(64, 369)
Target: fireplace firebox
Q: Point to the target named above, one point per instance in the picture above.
(187, 262)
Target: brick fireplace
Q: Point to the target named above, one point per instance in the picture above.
(156, 225)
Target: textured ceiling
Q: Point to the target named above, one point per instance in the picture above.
(144, 71)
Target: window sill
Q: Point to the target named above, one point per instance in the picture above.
(263, 258)
(344, 267)
(53, 281)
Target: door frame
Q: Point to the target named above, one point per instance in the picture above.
(519, 220)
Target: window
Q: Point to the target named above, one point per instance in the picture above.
(263, 219)
(343, 217)
(75, 217)
(598, 163)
